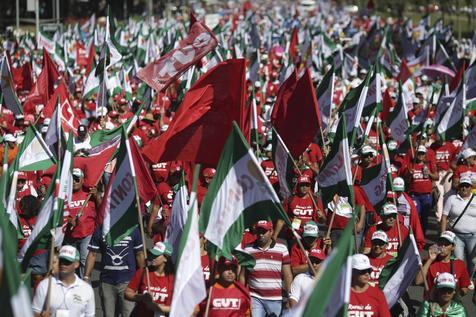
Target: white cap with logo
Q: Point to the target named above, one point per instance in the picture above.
(360, 262)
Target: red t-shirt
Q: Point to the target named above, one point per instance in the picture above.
(465, 170)
(233, 301)
(459, 271)
(27, 226)
(205, 259)
(314, 153)
(377, 266)
(270, 171)
(420, 184)
(87, 222)
(397, 166)
(161, 289)
(444, 154)
(301, 208)
(372, 302)
(297, 255)
(392, 235)
(160, 171)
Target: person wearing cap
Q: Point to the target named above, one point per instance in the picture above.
(302, 207)
(202, 188)
(459, 214)
(442, 302)
(268, 167)
(445, 154)
(378, 255)
(441, 260)
(82, 141)
(421, 174)
(365, 298)
(81, 226)
(271, 276)
(397, 161)
(156, 300)
(468, 168)
(388, 225)
(407, 211)
(69, 295)
(304, 282)
(310, 240)
(10, 142)
(229, 298)
(118, 265)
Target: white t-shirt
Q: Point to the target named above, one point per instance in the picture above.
(453, 208)
(301, 284)
(76, 300)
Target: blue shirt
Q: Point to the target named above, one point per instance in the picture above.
(118, 263)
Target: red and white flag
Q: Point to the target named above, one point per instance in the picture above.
(68, 116)
(162, 72)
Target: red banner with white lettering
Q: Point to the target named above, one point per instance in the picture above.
(162, 72)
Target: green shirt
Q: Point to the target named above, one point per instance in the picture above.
(432, 309)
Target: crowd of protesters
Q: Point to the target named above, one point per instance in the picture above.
(432, 187)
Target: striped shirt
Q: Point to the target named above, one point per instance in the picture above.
(265, 279)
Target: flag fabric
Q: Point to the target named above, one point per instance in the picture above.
(43, 88)
(178, 217)
(324, 94)
(91, 85)
(239, 195)
(215, 100)
(162, 72)
(405, 72)
(189, 284)
(146, 188)
(330, 295)
(10, 99)
(33, 153)
(14, 295)
(470, 83)
(373, 99)
(283, 163)
(397, 120)
(335, 175)
(118, 207)
(296, 115)
(399, 273)
(450, 126)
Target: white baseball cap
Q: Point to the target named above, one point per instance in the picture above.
(367, 149)
(310, 229)
(445, 280)
(379, 235)
(389, 209)
(360, 262)
(466, 180)
(9, 138)
(448, 236)
(399, 184)
(468, 153)
(69, 253)
(392, 145)
(78, 172)
(421, 149)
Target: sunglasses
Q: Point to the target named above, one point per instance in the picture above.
(394, 216)
(315, 261)
(363, 272)
(379, 243)
(446, 290)
(465, 185)
(76, 178)
(65, 262)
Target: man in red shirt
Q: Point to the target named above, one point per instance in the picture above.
(81, 216)
(421, 173)
(396, 233)
(365, 300)
(378, 255)
(440, 260)
(468, 169)
(229, 298)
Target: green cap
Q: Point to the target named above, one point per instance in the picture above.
(161, 248)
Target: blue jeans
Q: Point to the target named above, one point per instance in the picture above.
(423, 203)
(265, 308)
(465, 249)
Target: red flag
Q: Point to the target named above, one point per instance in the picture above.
(296, 115)
(293, 49)
(68, 116)
(193, 19)
(162, 72)
(44, 86)
(94, 164)
(386, 104)
(145, 184)
(22, 77)
(82, 59)
(456, 80)
(204, 119)
(405, 72)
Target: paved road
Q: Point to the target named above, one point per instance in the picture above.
(415, 292)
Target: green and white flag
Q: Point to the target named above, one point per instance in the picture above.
(373, 99)
(324, 94)
(239, 195)
(335, 175)
(399, 273)
(113, 84)
(283, 163)
(189, 285)
(119, 205)
(14, 295)
(10, 99)
(450, 126)
(127, 84)
(470, 84)
(92, 83)
(44, 42)
(330, 295)
(34, 154)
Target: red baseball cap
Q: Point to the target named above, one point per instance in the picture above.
(22, 175)
(304, 179)
(317, 253)
(208, 172)
(265, 224)
(223, 262)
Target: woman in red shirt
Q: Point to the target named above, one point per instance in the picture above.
(158, 297)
